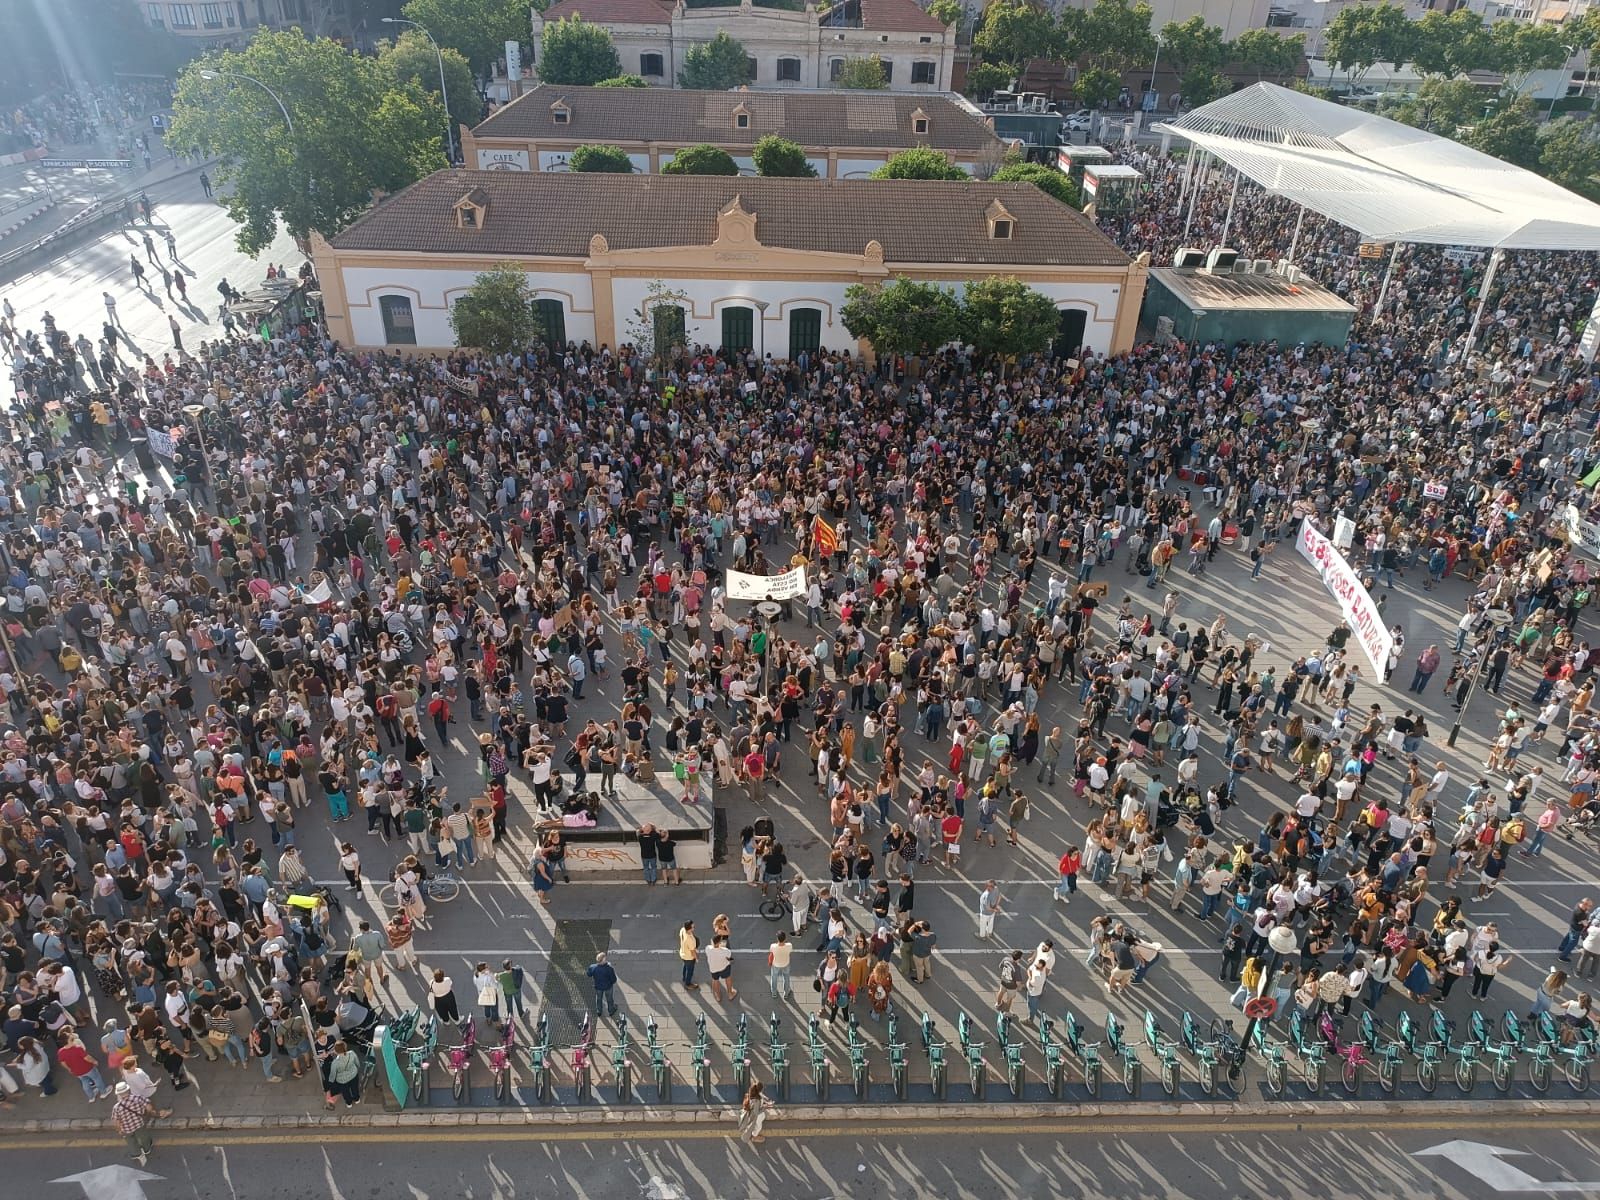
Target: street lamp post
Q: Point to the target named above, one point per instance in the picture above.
(444, 92)
(1498, 619)
(282, 107)
(1280, 941)
(194, 412)
(1153, 63)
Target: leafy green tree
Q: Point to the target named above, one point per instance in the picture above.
(1441, 106)
(1097, 87)
(902, 316)
(1266, 52)
(1015, 31)
(1450, 44)
(984, 79)
(1201, 85)
(1192, 45)
(716, 65)
(355, 132)
(1509, 133)
(776, 156)
(650, 332)
(1115, 36)
(1360, 36)
(862, 75)
(1044, 178)
(577, 53)
(600, 160)
(947, 12)
(920, 162)
(412, 62)
(1570, 156)
(633, 81)
(1520, 50)
(704, 159)
(497, 313)
(1003, 316)
(479, 29)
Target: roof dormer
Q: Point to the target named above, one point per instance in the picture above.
(919, 123)
(471, 209)
(561, 112)
(741, 117)
(1002, 225)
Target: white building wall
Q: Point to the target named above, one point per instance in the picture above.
(432, 291)
(1098, 300)
(702, 319)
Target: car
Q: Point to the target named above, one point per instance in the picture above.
(1077, 122)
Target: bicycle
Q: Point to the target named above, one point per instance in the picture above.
(935, 1051)
(1353, 1053)
(659, 1067)
(1016, 1075)
(700, 1060)
(819, 1057)
(899, 1073)
(500, 1061)
(582, 1061)
(1465, 1052)
(1132, 1069)
(621, 1065)
(1389, 1055)
(1087, 1054)
(1054, 1067)
(1502, 1055)
(1166, 1053)
(1578, 1056)
(419, 1058)
(1274, 1060)
(1541, 1055)
(459, 1060)
(1425, 1052)
(858, 1059)
(1311, 1052)
(775, 907)
(973, 1050)
(442, 886)
(778, 1056)
(1214, 1057)
(740, 1054)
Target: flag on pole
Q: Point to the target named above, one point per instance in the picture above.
(824, 536)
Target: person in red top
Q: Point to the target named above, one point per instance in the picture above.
(132, 844)
(82, 1067)
(950, 830)
(1069, 866)
(755, 770)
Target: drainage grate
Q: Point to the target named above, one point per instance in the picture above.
(567, 991)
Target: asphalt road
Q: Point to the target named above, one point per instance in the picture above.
(856, 1159)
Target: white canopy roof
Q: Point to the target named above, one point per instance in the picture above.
(1388, 181)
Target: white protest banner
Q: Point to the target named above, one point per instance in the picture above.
(161, 442)
(1355, 602)
(787, 585)
(1434, 490)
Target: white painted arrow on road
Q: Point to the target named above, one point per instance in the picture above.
(111, 1183)
(1487, 1164)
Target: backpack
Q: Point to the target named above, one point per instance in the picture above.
(1008, 972)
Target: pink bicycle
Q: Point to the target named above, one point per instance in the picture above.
(459, 1059)
(1354, 1054)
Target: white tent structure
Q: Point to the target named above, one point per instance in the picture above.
(1387, 181)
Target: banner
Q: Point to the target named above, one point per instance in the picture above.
(788, 585)
(161, 443)
(1355, 602)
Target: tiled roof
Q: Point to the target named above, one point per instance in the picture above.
(915, 221)
(897, 16)
(612, 12)
(822, 119)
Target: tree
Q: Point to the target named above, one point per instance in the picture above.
(1441, 106)
(1203, 85)
(1360, 36)
(920, 162)
(1015, 31)
(862, 75)
(497, 313)
(1266, 52)
(776, 156)
(1115, 36)
(704, 159)
(1509, 133)
(1569, 156)
(716, 65)
(902, 316)
(1001, 315)
(984, 79)
(355, 132)
(650, 334)
(1450, 44)
(1042, 177)
(947, 12)
(577, 53)
(412, 62)
(1097, 87)
(600, 160)
(479, 29)
(1519, 50)
(633, 81)
(1192, 45)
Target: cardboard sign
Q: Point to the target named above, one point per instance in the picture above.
(1435, 491)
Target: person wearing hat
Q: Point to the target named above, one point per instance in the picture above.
(131, 1113)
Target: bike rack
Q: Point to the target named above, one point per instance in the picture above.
(1165, 1051)
(741, 1056)
(419, 1058)
(620, 1065)
(935, 1050)
(973, 1050)
(899, 1074)
(819, 1058)
(1132, 1069)
(778, 1055)
(1016, 1073)
(858, 1059)
(1054, 1064)
(539, 1056)
(463, 1053)
(700, 1063)
(660, 1068)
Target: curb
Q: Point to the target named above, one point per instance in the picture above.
(27, 220)
(791, 1113)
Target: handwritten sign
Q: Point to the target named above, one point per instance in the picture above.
(1355, 602)
(1434, 490)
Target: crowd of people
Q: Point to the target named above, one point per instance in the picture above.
(355, 570)
(79, 115)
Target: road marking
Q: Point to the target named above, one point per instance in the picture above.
(798, 1131)
(1486, 1164)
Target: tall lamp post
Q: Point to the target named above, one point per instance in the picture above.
(1153, 62)
(1498, 619)
(1280, 941)
(194, 412)
(282, 107)
(444, 92)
